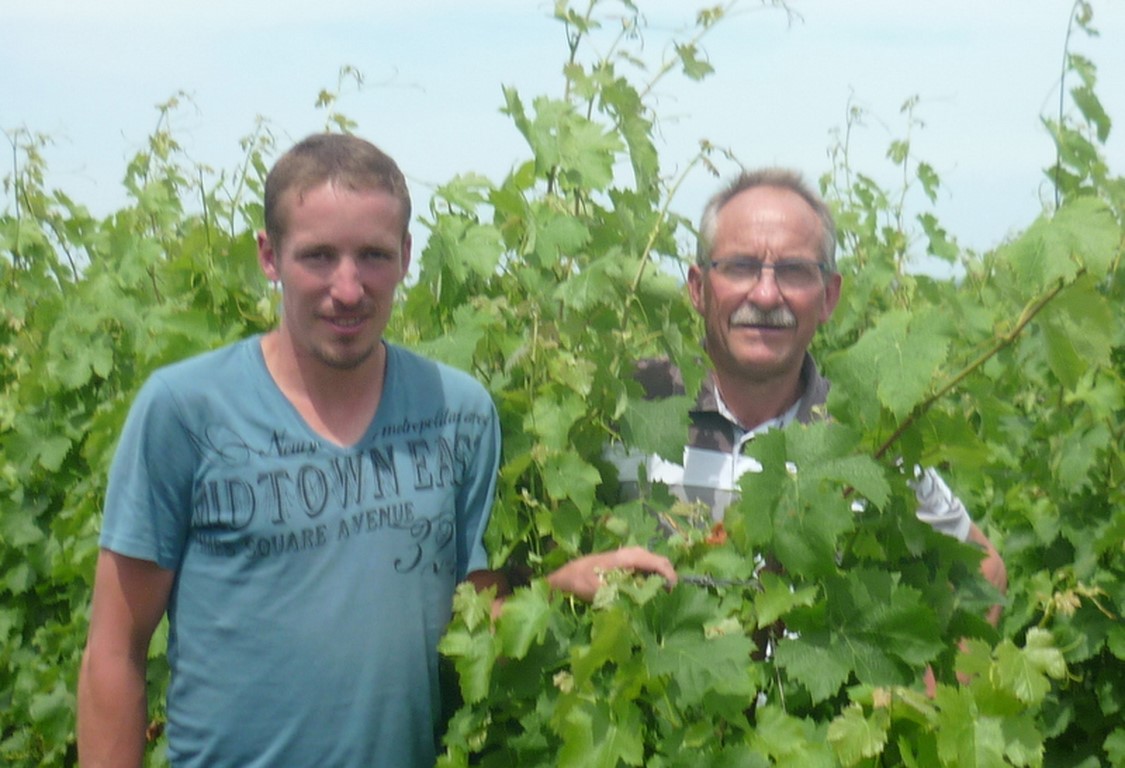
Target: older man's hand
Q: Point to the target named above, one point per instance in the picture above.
(583, 576)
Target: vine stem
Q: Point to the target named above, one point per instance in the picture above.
(1062, 96)
(16, 188)
(1029, 312)
(661, 218)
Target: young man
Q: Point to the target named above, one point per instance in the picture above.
(300, 504)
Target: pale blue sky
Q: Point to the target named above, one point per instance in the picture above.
(91, 73)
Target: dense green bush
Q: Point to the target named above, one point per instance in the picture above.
(547, 285)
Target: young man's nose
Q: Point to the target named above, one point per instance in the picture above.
(347, 282)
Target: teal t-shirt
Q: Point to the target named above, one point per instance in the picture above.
(313, 582)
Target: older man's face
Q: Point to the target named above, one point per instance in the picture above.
(759, 328)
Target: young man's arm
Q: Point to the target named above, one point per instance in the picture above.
(129, 599)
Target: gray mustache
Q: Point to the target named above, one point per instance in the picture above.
(778, 317)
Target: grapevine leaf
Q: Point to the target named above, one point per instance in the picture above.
(1079, 453)
(901, 355)
(52, 452)
(700, 665)
(465, 191)
(657, 426)
(19, 531)
(473, 657)
(824, 451)
(792, 742)
(1086, 229)
(525, 618)
(940, 244)
(551, 418)
(514, 108)
(966, 736)
(610, 638)
(594, 737)
(1082, 233)
(559, 235)
(748, 522)
(1115, 638)
(975, 658)
(18, 578)
(565, 140)
(57, 701)
(806, 530)
(862, 474)
(568, 476)
(1115, 746)
(463, 247)
(874, 606)
(458, 346)
(1023, 744)
(593, 287)
(1025, 672)
(778, 598)
(1079, 331)
(816, 662)
(930, 184)
(694, 67)
(875, 628)
(1092, 109)
(636, 129)
(74, 368)
(856, 736)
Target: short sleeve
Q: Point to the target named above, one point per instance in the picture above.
(938, 506)
(148, 498)
(476, 500)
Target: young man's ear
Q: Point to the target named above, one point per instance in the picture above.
(407, 246)
(267, 257)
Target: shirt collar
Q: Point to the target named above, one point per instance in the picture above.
(777, 422)
(814, 390)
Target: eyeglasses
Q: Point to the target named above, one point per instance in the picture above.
(789, 274)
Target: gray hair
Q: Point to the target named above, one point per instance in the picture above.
(781, 178)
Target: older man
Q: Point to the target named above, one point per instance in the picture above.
(764, 280)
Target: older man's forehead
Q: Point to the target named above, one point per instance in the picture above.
(781, 216)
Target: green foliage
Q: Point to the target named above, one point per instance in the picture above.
(1008, 376)
(89, 308)
(548, 286)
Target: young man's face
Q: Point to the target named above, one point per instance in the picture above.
(759, 331)
(342, 255)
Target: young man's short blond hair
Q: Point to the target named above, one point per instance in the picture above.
(337, 158)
